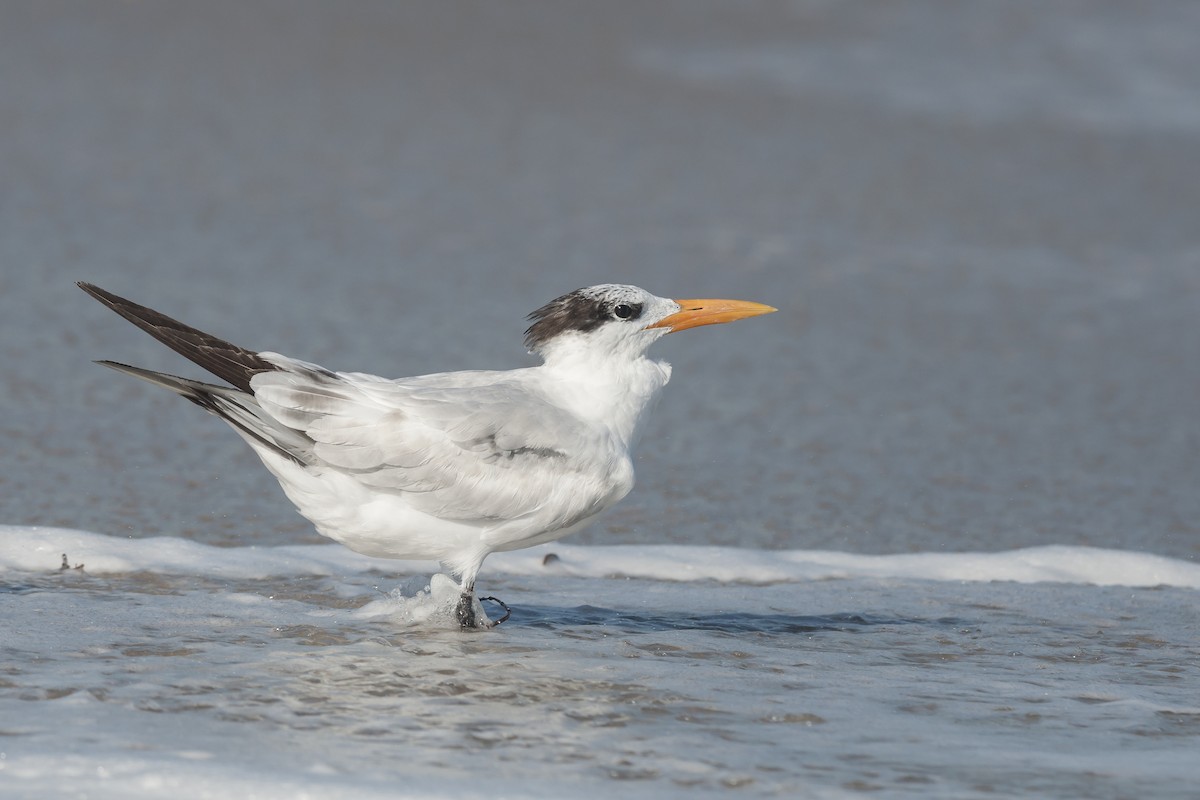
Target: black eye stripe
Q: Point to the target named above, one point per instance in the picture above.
(581, 311)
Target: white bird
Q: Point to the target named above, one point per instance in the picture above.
(453, 466)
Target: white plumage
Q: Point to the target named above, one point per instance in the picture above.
(451, 466)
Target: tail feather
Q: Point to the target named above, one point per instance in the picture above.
(227, 361)
(238, 408)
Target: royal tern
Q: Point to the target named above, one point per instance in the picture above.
(453, 466)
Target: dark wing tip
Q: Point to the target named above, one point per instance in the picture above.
(114, 301)
(223, 359)
(92, 289)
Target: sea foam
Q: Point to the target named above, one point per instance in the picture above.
(38, 549)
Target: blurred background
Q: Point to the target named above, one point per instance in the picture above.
(980, 222)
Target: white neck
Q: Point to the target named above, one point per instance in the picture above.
(613, 390)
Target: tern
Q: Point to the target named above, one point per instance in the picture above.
(453, 466)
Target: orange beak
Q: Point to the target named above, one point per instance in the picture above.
(694, 313)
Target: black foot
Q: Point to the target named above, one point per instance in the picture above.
(464, 612)
(502, 604)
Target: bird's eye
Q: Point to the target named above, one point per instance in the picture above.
(623, 311)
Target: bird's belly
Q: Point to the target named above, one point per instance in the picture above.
(385, 524)
(385, 528)
(519, 541)
(564, 514)
(368, 521)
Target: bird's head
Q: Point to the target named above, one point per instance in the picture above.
(619, 319)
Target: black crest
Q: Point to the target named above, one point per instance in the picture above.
(584, 310)
(579, 311)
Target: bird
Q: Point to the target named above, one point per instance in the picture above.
(452, 466)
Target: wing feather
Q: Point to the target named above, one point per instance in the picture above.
(480, 453)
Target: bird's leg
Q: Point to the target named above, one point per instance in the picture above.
(469, 611)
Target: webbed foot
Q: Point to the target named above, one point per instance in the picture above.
(502, 604)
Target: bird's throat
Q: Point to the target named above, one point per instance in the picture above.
(616, 395)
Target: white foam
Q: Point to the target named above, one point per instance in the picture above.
(414, 604)
(35, 549)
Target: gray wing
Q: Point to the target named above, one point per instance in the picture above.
(466, 448)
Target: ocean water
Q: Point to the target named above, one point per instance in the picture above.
(159, 666)
(929, 531)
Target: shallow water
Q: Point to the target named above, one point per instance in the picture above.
(148, 681)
